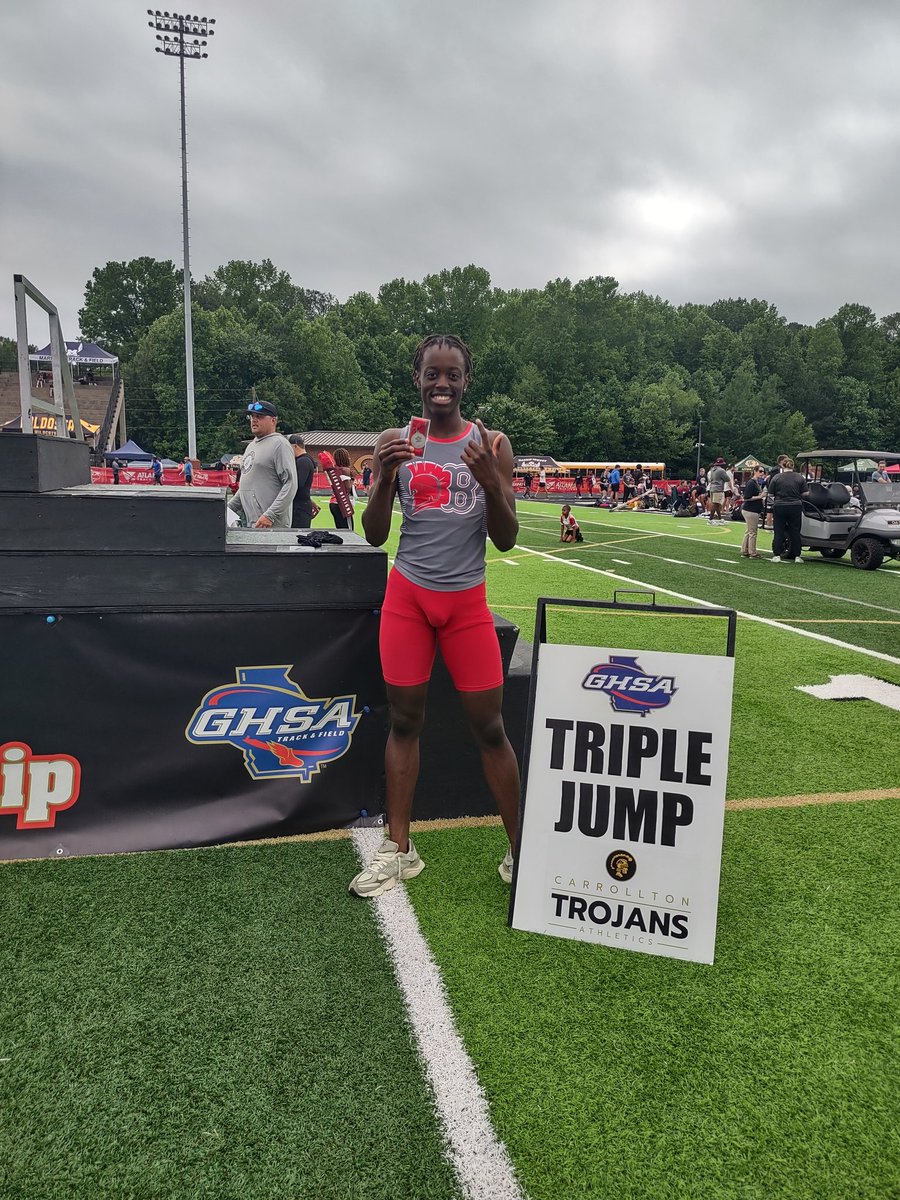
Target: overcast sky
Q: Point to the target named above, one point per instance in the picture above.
(694, 149)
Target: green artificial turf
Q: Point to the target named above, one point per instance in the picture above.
(215, 1023)
(771, 1073)
(862, 607)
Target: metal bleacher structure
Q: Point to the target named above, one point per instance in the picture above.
(65, 404)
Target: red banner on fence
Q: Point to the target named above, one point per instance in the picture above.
(171, 475)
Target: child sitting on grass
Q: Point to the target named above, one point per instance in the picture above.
(569, 530)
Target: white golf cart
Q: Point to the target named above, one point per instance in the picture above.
(845, 510)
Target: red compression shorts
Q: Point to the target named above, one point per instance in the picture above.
(415, 620)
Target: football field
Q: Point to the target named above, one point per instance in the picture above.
(231, 1023)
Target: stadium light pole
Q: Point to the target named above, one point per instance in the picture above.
(699, 445)
(171, 30)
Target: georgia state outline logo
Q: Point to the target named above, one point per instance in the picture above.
(281, 732)
(629, 687)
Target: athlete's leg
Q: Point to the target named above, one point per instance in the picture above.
(401, 757)
(498, 759)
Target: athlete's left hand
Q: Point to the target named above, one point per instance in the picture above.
(481, 459)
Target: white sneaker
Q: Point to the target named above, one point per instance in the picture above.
(505, 870)
(386, 870)
(775, 558)
(799, 561)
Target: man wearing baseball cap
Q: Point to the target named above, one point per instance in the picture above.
(716, 479)
(268, 478)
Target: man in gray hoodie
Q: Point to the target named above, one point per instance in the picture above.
(268, 477)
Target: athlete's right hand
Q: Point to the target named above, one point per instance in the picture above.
(392, 455)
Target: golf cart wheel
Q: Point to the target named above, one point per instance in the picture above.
(867, 554)
(832, 552)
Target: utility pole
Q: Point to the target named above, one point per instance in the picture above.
(172, 28)
(699, 446)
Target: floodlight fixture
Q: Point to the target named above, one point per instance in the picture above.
(171, 30)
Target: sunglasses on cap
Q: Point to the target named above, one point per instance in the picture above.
(259, 407)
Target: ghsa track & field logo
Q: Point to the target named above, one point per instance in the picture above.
(281, 732)
(630, 688)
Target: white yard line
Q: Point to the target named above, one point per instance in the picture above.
(818, 637)
(482, 1163)
(621, 562)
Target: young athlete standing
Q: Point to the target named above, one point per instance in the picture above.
(457, 492)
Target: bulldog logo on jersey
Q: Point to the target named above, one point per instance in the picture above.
(281, 732)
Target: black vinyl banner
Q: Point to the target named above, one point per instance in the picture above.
(124, 731)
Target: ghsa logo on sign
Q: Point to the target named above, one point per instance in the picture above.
(629, 687)
(281, 732)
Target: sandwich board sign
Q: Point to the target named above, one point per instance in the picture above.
(623, 792)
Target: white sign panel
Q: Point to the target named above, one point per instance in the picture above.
(621, 839)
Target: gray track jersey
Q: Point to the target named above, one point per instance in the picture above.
(444, 525)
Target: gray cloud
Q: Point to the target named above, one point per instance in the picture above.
(694, 150)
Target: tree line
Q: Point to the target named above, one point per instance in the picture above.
(576, 370)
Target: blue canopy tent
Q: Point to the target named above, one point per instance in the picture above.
(130, 452)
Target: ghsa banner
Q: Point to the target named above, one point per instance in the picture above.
(625, 799)
(280, 731)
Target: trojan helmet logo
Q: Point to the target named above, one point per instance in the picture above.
(629, 687)
(281, 732)
(621, 865)
(429, 485)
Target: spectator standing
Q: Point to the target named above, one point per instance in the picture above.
(615, 478)
(754, 497)
(786, 491)
(589, 481)
(718, 477)
(768, 505)
(157, 470)
(345, 470)
(303, 508)
(115, 470)
(268, 475)
(542, 480)
(526, 483)
(579, 482)
(366, 476)
(187, 470)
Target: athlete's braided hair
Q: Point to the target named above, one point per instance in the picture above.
(444, 339)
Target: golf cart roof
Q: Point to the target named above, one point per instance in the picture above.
(876, 455)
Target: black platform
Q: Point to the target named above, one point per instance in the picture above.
(31, 462)
(122, 606)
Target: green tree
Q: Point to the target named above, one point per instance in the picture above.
(528, 428)
(659, 419)
(459, 301)
(9, 354)
(321, 361)
(123, 299)
(245, 286)
(230, 356)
